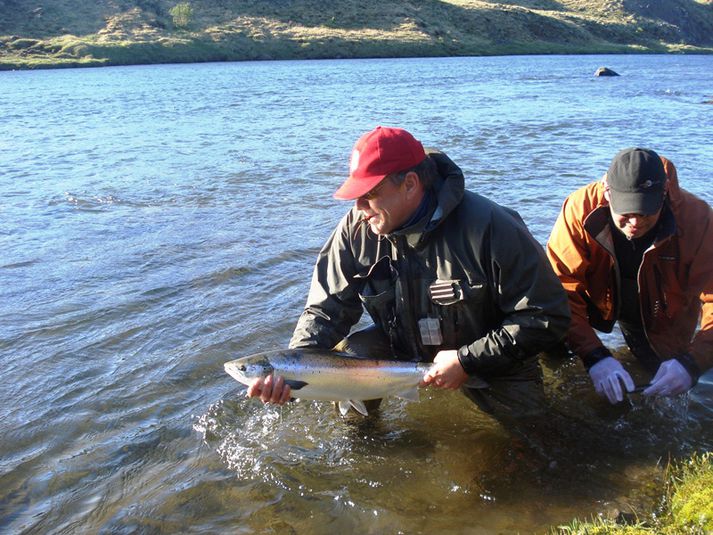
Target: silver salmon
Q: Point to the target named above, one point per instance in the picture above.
(329, 376)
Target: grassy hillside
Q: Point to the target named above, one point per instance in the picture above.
(55, 33)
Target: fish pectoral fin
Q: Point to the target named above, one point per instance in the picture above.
(359, 406)
(411, 394)
(295, 385)
(343, 407)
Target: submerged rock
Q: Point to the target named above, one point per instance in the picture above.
(605, 71)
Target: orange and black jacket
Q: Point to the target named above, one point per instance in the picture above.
(675, 277)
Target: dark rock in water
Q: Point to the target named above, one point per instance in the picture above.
(604, 71)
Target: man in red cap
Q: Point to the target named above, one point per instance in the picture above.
(637, 249)
(445, 274)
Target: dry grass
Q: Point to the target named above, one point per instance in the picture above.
(65, 32)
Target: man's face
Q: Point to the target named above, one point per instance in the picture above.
(385, 207)
(634, 225)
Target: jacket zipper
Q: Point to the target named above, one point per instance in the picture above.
(409, 325)
(657, 276)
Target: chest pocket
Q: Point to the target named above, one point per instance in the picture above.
(378, 293)
(460, 305)
(446, 293)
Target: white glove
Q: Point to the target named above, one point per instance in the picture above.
(670, 379)
(606, 375)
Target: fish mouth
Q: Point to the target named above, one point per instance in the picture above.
(233, 368)
(246, 369)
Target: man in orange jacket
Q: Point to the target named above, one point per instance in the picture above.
(637, 249)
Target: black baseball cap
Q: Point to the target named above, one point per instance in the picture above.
(636, 179)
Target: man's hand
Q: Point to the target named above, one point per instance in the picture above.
(446, 371)
(670, 379)
(270, 389)
(607, 376)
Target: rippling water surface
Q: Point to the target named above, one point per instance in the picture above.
(158, 221)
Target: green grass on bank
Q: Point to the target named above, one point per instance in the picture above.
(686, 506)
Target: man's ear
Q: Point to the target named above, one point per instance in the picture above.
(606, 188)
(412, 182)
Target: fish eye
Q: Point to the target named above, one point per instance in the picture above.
(242, 368)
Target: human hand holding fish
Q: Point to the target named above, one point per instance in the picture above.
(446, 371)
(270, 389)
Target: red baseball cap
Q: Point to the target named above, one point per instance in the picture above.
(378, 153)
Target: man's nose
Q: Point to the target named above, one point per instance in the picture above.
(361, 203)
(635, 220)
(632, 218)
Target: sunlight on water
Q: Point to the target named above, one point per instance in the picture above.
(409, 450)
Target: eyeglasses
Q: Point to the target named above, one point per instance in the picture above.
(373, 192)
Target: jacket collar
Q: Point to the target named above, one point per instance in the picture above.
(447, 193)
(597, 226)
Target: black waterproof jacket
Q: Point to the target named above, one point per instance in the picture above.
(470, 266)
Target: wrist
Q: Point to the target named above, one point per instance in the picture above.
(591, 358)
(467, 360)
(686, 360)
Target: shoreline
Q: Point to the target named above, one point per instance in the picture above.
(141, 53)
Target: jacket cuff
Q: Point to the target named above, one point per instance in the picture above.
(691, 367)
(591, 358)
(467, 360)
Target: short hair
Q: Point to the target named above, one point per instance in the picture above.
(426, 171)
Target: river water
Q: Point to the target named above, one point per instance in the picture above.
(157, 221)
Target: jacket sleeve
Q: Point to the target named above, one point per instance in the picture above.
(568, 252)
(527, 294)
(333, 304)
(701, 276)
